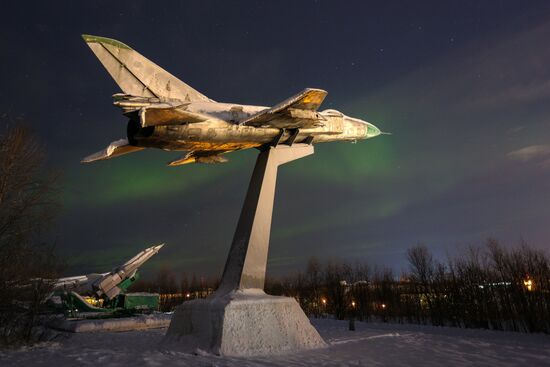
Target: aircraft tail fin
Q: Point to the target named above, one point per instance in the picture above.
(136, 75)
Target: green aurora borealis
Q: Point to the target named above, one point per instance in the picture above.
(460, 86)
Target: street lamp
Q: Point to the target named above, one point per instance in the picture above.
(529, 284)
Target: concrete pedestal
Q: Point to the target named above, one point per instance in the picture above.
(243, 323)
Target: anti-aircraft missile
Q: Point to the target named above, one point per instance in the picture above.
(107, 284)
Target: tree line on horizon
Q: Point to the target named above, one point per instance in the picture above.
(490, 287)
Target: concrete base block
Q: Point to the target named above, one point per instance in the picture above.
(243, 323)
(139, 322)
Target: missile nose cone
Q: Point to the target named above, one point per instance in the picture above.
(158, 247)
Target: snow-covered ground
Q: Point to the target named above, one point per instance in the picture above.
(369, 345)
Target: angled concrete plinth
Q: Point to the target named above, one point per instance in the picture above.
(242, 323)
(239, 319)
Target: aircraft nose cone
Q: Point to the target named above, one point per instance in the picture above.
(372, 131)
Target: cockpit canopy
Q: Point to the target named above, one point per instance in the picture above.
(332, 113)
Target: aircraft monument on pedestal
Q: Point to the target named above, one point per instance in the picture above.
(164, 112)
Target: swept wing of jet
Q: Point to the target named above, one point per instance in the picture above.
(298, 111)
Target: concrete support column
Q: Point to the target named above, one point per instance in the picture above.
(247, 260)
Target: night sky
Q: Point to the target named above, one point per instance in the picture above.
(464, 86)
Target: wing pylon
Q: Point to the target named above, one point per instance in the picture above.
(208, 157)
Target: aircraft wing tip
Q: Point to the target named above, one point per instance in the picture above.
(88, 38)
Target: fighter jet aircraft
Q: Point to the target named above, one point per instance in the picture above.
(166, 113)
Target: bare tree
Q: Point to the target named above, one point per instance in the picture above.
(422, 272)
(314, 281)
(166, 281)
(184, 283)
(27, 205)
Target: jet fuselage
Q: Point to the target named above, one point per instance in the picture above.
(223, 131)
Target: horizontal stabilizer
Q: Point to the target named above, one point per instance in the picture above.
(115, 149)
(298, 111)
(136, 75)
